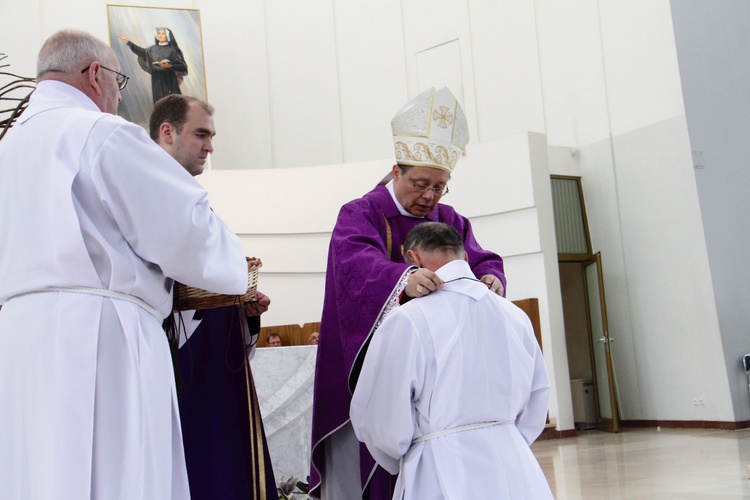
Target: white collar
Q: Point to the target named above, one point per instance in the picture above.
(459, 278)
(400, 207)
(51, 94)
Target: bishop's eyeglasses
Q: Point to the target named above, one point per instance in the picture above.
(424, 188)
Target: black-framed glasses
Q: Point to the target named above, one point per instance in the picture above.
(122, 80)
(423, 188)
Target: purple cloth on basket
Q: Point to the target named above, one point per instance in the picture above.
(217, 413)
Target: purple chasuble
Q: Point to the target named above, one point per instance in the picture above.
(226, 451)
(362, 281)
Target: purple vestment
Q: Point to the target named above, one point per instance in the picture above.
(362, 280)
(226, 452)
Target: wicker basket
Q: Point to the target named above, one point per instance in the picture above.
(187, 297)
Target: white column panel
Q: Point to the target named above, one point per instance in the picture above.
(603, 214)
(712, 42)
(234, 44)
(303, 79)
(642, 74)
(429, 24)
(372, 75)
(551, 310)
(572, 69)
(527, 275)
(440, 66)
(667, 261)
(506, 68)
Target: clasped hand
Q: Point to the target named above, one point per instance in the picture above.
(257, 306)
(422, 282)
(493, 283)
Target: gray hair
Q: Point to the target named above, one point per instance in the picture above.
(69, 51)
(434, 237)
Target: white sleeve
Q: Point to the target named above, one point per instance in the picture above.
(532, 419)
(382, 412)
(251, 340)
(164, 214)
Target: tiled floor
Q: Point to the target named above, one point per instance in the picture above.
(648, 464)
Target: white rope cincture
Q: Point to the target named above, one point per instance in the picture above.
(101, 293)
(432, 435)
(460, 428)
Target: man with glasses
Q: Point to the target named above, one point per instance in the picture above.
(122, 80)
(367, 277)
(97, 220)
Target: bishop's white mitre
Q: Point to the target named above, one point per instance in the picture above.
(430, 131)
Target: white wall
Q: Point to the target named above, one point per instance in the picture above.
(622, 105)
(712, 43)
(315, 86)
(663, 243)
(238, 81)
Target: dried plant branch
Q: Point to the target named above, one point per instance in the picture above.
(14, 93)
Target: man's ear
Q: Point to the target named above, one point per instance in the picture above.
(92, 78)
(394, 171)
(166, 133)
(414, 257)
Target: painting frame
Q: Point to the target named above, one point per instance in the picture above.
(138, 24)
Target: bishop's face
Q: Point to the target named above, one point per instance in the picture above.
(419, 189)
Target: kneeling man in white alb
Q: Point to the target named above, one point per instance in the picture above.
(454, 388)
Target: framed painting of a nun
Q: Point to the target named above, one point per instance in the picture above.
(161, 50)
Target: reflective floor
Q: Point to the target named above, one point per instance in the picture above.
(648, 464)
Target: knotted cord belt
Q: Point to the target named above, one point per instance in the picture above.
(444, 432)
(460, 428)
(101, 293)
